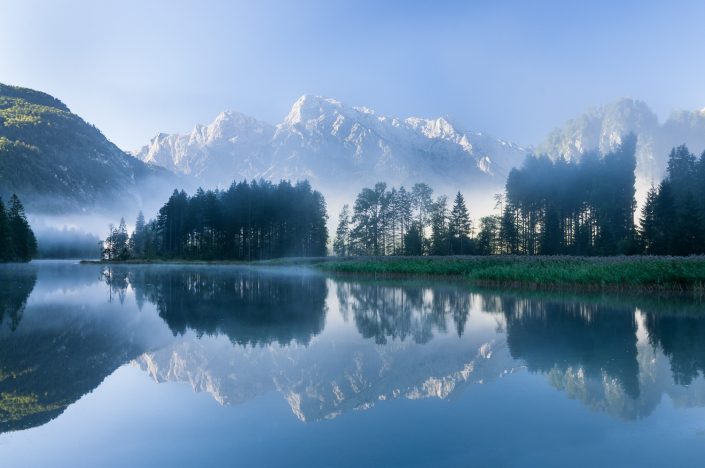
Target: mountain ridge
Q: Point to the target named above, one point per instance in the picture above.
(331, 143)
(56, 161)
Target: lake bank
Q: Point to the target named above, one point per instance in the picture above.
(636, 273)
(682, 274)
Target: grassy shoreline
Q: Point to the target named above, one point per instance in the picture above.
(684, 274)
(679, 274)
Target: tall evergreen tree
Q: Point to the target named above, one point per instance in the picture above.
(403, 211)
(24, 243)
(6, 250)
(440, 239)
(120, 241)
(413, 240)
(459, 227)
(138, 240)
(341, 244)
(648, 222)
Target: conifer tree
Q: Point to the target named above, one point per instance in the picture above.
(413, 240)
(459, 226)
(341, 244)
(440, 239)
(24, 244)
(6, 250)
(648, 222)
(139, 237)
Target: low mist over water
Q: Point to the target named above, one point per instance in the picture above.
(251, 358)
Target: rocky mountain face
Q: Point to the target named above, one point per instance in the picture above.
(337, 148)
(602, 129)
(55, 161)
(340, 148)
(317, 384)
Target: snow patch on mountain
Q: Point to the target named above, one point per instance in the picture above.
(339, 148)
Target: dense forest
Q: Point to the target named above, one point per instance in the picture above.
(17, 241)
(561, 207)
(550, 207)
(249, 221)
(673, 218)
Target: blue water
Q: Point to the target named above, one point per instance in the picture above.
(234, 366)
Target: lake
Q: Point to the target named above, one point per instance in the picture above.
(250, 366)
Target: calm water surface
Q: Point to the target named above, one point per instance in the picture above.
(234, 366)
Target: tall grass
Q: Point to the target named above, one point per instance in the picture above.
(648, 273)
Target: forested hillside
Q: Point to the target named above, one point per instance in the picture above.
(54, 160)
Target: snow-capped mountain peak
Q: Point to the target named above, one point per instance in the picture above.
(309, 107)
(335, 146)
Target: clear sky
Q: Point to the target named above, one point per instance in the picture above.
(513, 69)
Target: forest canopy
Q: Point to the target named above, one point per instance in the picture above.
(549, 207)
(249, 221)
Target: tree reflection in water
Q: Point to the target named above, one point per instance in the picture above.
(615, 355)
(251, 306)
(406, 311)
(16, 284)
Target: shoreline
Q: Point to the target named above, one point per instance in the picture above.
(648, 274)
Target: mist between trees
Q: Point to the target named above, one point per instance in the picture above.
(550, 207)
(249, 221)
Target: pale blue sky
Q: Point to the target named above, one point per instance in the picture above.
(513, 69)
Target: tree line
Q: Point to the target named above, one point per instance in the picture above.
(395, 221)
(673, 218)
(17, 240)
(248, 221)
(549, 207)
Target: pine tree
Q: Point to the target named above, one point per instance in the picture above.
(403, 209)
(665, 215)
(488, 237)
(120, 242)
(23, 241)
(459, 226)
(440, 239)
(139, 237)
(341, 244)
(687, 232)
(648, 223)
(6, 250)
(413, 240)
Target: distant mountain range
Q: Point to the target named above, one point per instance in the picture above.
(55, 161)
(338, 148)
(341, 148)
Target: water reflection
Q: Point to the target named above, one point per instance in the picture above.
(330, 346)
(384, 311)
(250, 306)
(58, 344)
(613, 354)
(681, 337)
(17, 283)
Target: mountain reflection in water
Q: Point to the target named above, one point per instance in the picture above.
(330, 346)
